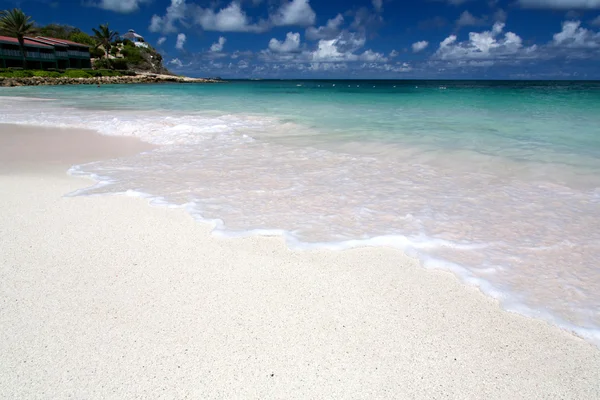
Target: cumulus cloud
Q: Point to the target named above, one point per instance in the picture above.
(166, 24)
(393, 54)
(344, 48)
(121, 6)
(468, 19)
(181, 38)
(330, 30)
(561, 4)
(176, 61)
(419, 46)
(218, 45)
(291, 44)
(161, 40)
(294, 13)
(377, 5)
(229, 19)
(574, 36)
(488, 45)
(500, 15)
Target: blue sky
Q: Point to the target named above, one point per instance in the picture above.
(516, 39)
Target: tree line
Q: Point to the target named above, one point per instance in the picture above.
(15, 23)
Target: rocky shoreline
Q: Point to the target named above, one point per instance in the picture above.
(102, 80)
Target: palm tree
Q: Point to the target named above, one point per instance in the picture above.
(16, 24)
(104, 37)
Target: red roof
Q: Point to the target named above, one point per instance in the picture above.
(62, 41)
(28, 42)
(47, 42)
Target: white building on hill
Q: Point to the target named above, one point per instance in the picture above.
(138, 40)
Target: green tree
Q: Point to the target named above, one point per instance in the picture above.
(81, 37)
(16, 24)
(57, 31)
(104, 37)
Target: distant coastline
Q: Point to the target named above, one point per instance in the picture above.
(101, 80)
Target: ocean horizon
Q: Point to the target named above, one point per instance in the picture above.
(496, 181)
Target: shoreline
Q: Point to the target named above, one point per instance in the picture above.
(113, 298)
(139, 78)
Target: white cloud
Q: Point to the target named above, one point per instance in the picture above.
(344, 48)
(166, 24)
(328, 31)
(341, 48)
(378, 5)
(229, 19)
(500, 15)
(161, 40)
(218, 46)
(561, 4)
(595, 21)
(176, 61)
(370, 55)
(181, 38)
(394, 54)
(486, 45)
(574, 36)
(289, 45)
(122, 6)
(397, 67)
(468, 19)
(294, 13)
(419, 46)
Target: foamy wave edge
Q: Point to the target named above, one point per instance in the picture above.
(411, 247)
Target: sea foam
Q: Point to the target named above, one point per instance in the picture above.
(531, 243)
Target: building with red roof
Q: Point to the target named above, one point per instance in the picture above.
(44, 53)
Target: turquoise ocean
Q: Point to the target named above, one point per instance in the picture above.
(497, 182)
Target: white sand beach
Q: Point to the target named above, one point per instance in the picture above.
(109, 298)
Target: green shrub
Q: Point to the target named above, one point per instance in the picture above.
(19, 74)
(128, 43)
(102, 63)
(132, 54)
(76, 73)
(47, 74)
(81, 37)
(119, 63)
(96, 52)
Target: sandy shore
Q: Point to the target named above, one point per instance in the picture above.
(106, 297)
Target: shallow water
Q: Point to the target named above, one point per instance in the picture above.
(498, 182)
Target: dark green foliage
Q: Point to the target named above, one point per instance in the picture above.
(119, 63)
(96, 52)
(46, 74)
(76, 73)
(102, 63)
(132, 54)
(11, 73)
(104, 37)
(81, 37)
(16, 24)
(57, 31)
(128, 43)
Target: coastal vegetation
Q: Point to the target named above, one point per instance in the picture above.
(71, 73)
(107, 50)
(104, 37)
(16, 24)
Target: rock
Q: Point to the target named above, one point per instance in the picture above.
(140, 78)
